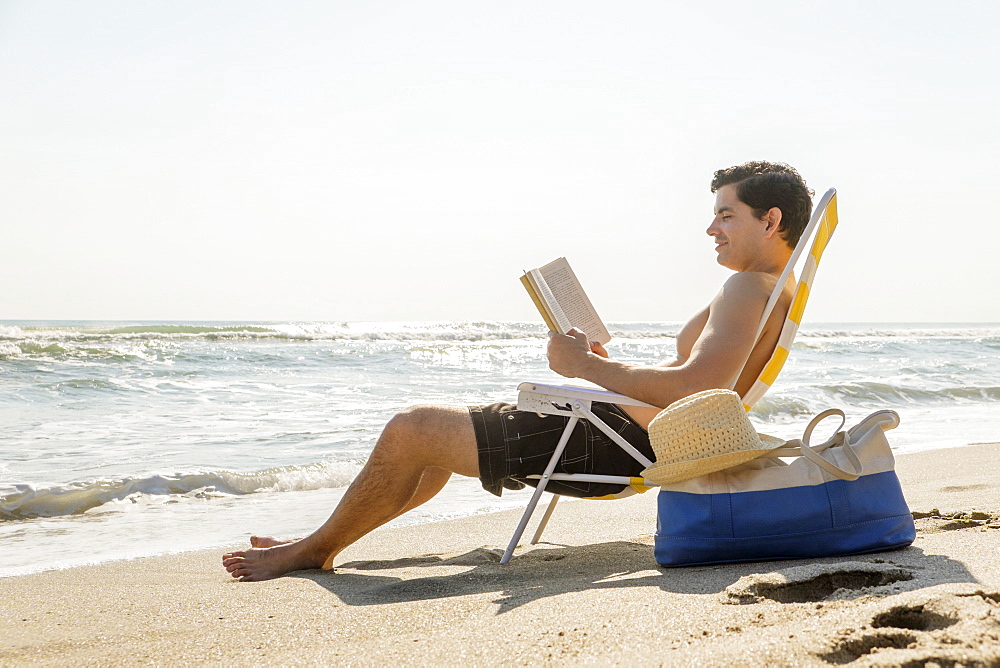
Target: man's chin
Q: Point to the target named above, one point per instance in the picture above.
(727, 265)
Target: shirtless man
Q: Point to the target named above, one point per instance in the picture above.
(761, 210)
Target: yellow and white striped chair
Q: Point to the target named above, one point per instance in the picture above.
(575, 402)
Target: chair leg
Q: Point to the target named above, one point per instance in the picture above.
(545, 520)
(509, 552)
(563, 440)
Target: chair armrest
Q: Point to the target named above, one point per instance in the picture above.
(578, 392)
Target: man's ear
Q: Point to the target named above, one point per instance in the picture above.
(773, 220)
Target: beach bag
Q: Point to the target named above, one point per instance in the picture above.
(837, 498)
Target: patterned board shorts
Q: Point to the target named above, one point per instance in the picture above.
(514, 444)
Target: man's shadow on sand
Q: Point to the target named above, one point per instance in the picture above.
(550, 571)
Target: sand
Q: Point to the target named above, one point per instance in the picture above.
(591, 594)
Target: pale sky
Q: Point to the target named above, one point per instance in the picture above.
(407, 160)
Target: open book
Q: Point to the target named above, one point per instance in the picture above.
(562, 302)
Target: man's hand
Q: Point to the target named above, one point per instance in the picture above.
(570, 354)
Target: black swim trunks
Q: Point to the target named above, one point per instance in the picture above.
(514, 444)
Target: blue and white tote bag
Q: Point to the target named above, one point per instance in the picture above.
(837, 498)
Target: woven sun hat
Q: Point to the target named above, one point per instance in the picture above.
(703, 433)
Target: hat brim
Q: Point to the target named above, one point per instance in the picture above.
(669, 472)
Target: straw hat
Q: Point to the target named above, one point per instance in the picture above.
(705, 432)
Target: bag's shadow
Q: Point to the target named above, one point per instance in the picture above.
(551, 571)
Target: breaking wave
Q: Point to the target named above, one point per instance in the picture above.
(126, 341)
(807, 400)
(24, 501)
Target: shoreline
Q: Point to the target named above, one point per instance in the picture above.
(411, 519)
(433, 593)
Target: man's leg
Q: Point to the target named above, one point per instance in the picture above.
(433, 480)
(411, 462)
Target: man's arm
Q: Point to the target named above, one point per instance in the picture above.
(716, 358)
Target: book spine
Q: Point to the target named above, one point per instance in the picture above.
(539, 304)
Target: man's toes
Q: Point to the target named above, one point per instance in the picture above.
(234, 563)
(244, 574)
(239, 570)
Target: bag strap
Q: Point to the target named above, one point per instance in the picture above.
(801, 446)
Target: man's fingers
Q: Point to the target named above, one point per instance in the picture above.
(598, 349)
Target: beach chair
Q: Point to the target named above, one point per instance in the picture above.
(575, 401)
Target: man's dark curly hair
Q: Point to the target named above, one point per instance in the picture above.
(762, 185)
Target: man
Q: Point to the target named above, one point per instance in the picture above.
(761, 210)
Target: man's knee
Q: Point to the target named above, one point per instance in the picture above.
(417, 422)
(438, 435)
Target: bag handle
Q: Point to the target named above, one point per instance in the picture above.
(801, 446)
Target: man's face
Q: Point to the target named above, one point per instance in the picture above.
(737, 232)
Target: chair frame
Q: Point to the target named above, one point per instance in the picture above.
(576, 401)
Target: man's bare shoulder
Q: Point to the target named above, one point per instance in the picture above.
(748, 285)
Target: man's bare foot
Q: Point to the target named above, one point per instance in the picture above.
(266, 563)
(267, 541)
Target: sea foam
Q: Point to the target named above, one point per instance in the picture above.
(24, 501)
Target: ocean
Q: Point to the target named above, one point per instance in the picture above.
(122, 440)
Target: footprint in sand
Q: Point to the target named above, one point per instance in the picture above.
(934, 521)
(815, 582)
(945, 630)
(853, 648)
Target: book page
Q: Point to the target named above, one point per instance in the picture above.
(562, 284)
